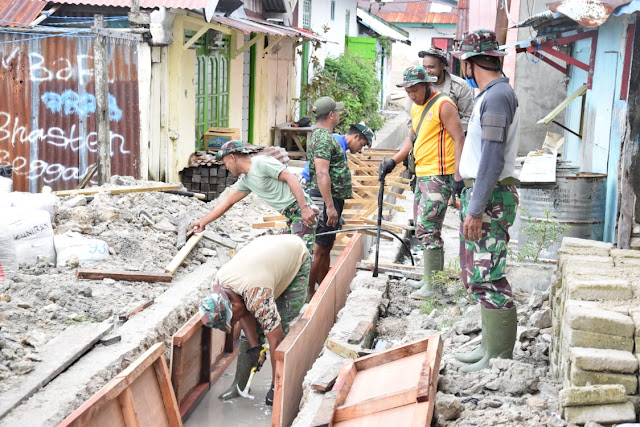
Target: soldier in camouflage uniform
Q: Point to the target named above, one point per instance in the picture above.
(436, 140)
(264, 299)
(270, 180)
(329, 183)
(490, 199)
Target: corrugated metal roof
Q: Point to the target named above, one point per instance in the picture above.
(145, 4)
(19, 13)
(382, 27)
(248, 26)
(409, 12)
(588, 13)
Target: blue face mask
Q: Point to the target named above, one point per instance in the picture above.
(471, 82)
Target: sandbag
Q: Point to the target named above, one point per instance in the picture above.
(46, 202)
(8, 256)
(72, 244)
(32, 234)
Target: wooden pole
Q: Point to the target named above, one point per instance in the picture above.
(101, 64)
(502, 22)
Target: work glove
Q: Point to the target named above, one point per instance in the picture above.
(386, 167)
(255, 357)
(458, 186)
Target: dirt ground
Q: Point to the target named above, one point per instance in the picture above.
(140, 229)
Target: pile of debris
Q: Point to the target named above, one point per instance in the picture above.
(142, 232)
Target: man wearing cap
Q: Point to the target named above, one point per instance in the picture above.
(436, 140)
(263, 299)
(358, 136)
(329, 183)
(490, 199)
(269, 179)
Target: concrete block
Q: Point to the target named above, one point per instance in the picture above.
(592, 395)
(575, 338)
(575, 242)
(568, 259)
(594, 359)
(580, 377)
(597, 287)
(599, 321)
(589, 269)
(602, 414)
(635, 316)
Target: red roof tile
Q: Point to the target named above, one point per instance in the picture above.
(409, 12)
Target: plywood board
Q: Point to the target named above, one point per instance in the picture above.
(301, 347)
(414, 415)
(57, 355)
(139, 395)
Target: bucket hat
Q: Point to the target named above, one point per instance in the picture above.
(414, 75)
(365, 130)
(435, 51)
(479, 42)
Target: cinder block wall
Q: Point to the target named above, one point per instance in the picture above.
(595, 300)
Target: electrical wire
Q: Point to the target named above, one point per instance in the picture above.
(373, 228)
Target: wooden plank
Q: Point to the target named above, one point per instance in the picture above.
(375, 404)
(274, 218)
(138, 309)
(417, 268)
(222, 241)
(434, 356)
(392, 354)
(56, 356)
(87, 176)
(328, 378)
(271, 224)
(116, 190)
(398, 228)
(344, 381)
(345, 350)
(409, 415)
(128, 410)
(125, 276)
(415, 275)
(183, 253)
(361, 330)
(168, 398)
(302, 345)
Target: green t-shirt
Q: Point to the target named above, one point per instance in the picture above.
(322, 145)
(262, 179)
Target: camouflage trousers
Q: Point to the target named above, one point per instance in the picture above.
(292, 299)
(296, 226)
(483, 262)
(430, 201)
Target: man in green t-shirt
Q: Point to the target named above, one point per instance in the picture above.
(329, 183)
(269, 179)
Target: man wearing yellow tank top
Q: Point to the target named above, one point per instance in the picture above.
(436, 140)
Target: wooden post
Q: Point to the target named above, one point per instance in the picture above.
(100, 67)
(502, 22)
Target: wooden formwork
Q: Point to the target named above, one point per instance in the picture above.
(302, 345)
(141, 395)
(199, 356)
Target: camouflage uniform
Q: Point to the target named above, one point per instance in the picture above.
(483, 262)
(430, 201)
(322, 145)
(296, 226)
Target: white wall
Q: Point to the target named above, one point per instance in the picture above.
(332, 31)
(405, 56)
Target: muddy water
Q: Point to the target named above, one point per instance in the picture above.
(240, 411)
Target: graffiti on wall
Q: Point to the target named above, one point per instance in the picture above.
(65, 116)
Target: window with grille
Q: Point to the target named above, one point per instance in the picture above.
(212, 84)
(333, 10)
(306, 14)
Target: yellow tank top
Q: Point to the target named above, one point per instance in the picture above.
(434, 149)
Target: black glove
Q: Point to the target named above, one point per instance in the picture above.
(254, 355)
(458, 186)
(386, 167)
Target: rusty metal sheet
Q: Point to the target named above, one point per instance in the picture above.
(145, 4)
(19, 13)
(47, 109)
(412, 13)
(588, 13)
(248, 26)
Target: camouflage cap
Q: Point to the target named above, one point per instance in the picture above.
(365, 130)
(231, 147)
(479, 42)
(216, 310)
(325, 105)
(437, 52)
(415, 75)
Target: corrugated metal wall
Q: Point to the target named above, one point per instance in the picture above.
(47, 109)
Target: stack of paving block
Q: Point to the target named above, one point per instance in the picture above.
(205, 176)
(596, 322)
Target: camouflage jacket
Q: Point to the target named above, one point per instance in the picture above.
(322, 145)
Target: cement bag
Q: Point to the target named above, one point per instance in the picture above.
(32, 234)
(85, 249)
(6, 185)
(45, 202)
(8, 257)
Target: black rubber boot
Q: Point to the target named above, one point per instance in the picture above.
(498, 336)
(269, 399)
(243, 370)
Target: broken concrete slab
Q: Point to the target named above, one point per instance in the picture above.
(580, 377)
(603, 414)
(593, 359)
(599, 321)
(592, 395)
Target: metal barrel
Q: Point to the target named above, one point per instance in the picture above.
(577, 199)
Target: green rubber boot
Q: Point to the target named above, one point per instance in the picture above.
(243, 370)
(498, 336)
(433, 261)
(478, 353)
